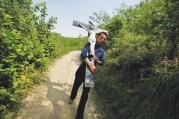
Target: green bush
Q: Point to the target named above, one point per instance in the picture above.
(141, 72)
(26, 45)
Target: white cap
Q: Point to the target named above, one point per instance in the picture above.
(98, 30)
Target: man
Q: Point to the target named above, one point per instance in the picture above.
(80, 73)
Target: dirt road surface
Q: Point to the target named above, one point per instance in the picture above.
(49, 100)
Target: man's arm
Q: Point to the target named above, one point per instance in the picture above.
(84, 57)
(90, 66)
(101, 59)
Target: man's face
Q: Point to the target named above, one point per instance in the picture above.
(101, 38)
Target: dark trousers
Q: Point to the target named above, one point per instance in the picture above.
(79, 79)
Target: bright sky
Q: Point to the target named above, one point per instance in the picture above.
(68, 10)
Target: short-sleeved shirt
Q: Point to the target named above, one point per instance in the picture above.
(99, 52)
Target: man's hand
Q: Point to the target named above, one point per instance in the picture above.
(92, 68)
(96, 60)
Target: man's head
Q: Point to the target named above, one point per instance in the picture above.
(101, 38)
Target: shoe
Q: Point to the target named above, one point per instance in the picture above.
(70, 101)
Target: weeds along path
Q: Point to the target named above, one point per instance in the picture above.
(49, 101)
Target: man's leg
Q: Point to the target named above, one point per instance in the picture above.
(83, 100)
(79, 79)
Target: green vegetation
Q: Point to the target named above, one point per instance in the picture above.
(67, 44)
(140, 79)
(26, 45)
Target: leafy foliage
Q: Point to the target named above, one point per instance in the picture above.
(26, 44)
(141, 72)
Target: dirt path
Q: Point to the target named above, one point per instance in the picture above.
(49, 101)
